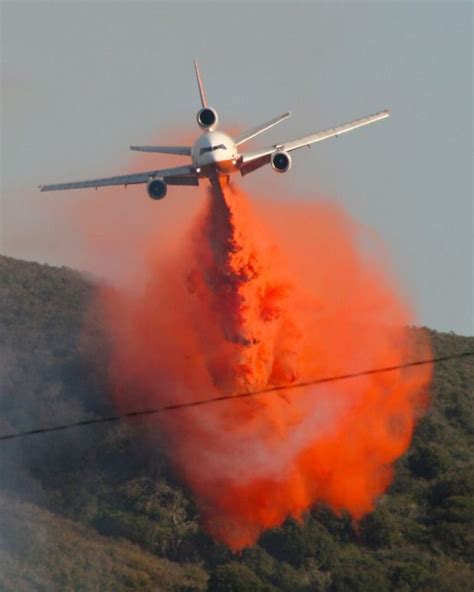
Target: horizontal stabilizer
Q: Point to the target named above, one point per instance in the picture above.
(249, 134)
(180, 150)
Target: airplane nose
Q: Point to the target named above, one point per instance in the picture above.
(225, 166)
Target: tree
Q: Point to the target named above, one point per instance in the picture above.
(295, 543)
(378, 529)
(233, 577)
(358, 573)
(426, 461)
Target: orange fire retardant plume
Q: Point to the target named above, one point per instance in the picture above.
(264, 294)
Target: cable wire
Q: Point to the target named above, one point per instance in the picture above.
(223, 398)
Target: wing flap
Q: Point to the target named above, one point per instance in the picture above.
(131, 179)
(182, 180)
(249, 156)
(252, 164)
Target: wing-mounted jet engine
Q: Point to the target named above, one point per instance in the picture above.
(280, 161)
(156, 188)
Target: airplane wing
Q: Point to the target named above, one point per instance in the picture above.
(333, 132)
(185, 173)
(252, 160)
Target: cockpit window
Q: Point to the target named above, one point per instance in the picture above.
(212, 148)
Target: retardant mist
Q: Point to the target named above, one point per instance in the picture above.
(258, 293)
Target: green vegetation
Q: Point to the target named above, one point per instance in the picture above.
(93, 509)
(42, 551)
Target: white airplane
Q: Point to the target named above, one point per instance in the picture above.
(215, 155)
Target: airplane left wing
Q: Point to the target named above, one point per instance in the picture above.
(333, 132)
(253, 160)
(173, 175)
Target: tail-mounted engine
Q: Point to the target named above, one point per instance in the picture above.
(281, 161)
(156, 188)
(207, 118)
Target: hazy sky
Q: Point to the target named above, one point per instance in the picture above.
(83, 80)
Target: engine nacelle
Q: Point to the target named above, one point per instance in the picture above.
(207, 118)
(156, 188)
(281, 161)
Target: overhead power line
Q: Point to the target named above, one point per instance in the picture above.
(229, 398)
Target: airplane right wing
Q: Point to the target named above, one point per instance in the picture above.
(253, 160)
(183, 175)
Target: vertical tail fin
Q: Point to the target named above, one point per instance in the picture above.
(200, 84)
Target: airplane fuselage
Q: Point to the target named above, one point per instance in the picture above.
(215, 153)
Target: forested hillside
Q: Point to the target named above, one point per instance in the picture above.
(93, 508)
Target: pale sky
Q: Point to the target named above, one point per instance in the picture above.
(83, 80)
